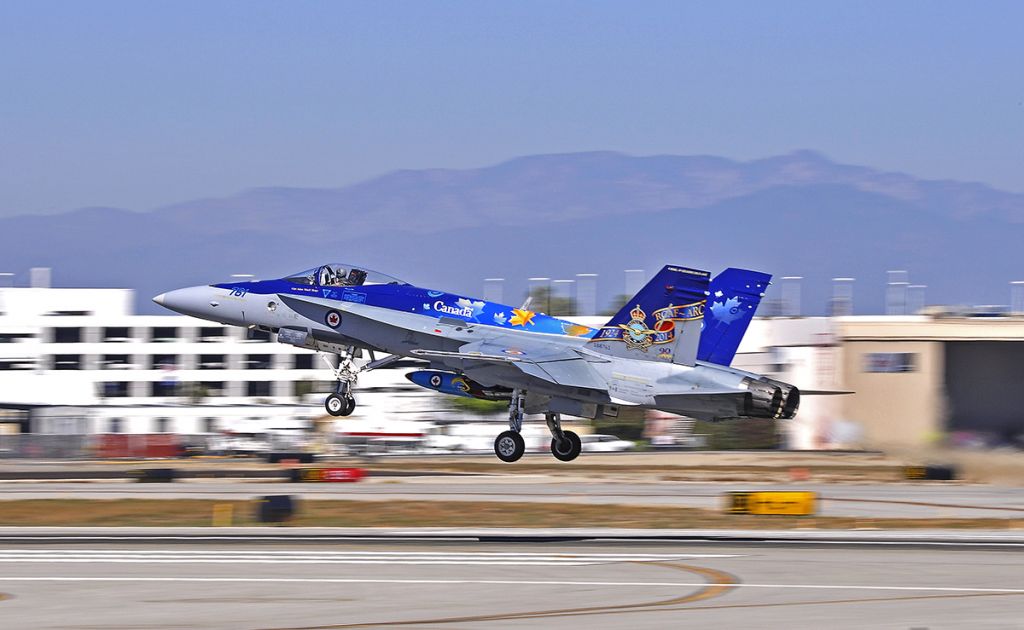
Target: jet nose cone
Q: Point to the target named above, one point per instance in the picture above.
(195, 301)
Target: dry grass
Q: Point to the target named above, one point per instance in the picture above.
(191, 513)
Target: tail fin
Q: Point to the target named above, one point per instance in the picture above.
(661, 322)
(735, 294)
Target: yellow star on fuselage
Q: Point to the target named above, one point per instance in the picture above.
(521, 317)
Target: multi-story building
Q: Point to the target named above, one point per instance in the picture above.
(80, 361)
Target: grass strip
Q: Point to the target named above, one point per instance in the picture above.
(198, 513)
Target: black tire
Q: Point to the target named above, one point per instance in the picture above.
(350, 406)
(337, 405)
(509, 446)
(568, 448)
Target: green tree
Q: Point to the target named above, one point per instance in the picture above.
(616, 304)
(544, 301)
(477, 405)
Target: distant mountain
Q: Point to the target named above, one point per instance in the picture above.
(557, 215)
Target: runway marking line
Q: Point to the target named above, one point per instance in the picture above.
(442, 582)
(925, 504)
(705, 591)
(110, 556)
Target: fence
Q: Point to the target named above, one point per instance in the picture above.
(104, 446)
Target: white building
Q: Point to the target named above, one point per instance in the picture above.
(80, 361)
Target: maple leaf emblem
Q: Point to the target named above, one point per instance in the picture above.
(521, 317)
(727, 311)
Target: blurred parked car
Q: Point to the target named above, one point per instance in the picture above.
(599, 443)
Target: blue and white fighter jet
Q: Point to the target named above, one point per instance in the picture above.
(668, 348)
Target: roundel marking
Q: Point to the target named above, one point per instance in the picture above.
(333, 319)
(435, 380)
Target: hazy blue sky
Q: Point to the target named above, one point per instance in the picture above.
(139, 104)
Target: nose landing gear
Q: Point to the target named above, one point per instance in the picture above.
(341, 402)
(340, 405)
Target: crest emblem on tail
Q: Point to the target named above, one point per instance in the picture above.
(637, 335)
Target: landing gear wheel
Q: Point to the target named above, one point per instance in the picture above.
(568, 448)
(509, 446)
(338, 405)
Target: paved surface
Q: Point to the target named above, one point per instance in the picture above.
(899, 500)
(247, 585)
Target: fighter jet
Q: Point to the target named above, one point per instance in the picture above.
(669, 348)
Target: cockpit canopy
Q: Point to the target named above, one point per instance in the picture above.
(341, 275)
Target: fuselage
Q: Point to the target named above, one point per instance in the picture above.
(397, 318)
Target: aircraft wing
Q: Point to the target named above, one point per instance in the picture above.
(555, 363)
(550, 361)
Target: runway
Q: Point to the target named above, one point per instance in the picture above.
(316, 584)
(894, 500)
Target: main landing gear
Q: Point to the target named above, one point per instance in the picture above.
(342, 402)
(509, 446)
(565, 445)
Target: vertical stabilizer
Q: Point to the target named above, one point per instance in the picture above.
(660, 323)
(735, 294)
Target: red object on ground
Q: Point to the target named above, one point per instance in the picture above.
(342, 474)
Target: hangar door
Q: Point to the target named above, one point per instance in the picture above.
(985, 386)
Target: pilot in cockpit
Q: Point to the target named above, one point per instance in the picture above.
(326, 276)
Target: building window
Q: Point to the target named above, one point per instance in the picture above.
(115, 390)
(211, 362)
(165, 334)
(67, 335)
(890, 362)
(257, 362)
(14, 337)
(164, 361)
(116, 362)
(17, 364)
(117, 334)
(213, 388)
(211, 334)
(115, 425)
(163, 388)
(303, 362)
(257, 388)
(67, 362)
(209, 425)
(162, 425)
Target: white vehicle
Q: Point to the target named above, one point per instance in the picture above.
(599, 443)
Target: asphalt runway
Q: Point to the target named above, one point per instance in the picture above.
(282, 585)
(895, 500)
